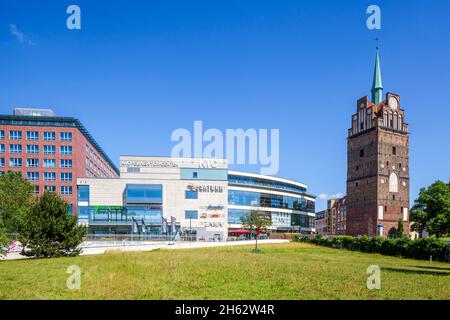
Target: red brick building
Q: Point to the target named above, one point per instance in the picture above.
(51, 152)
(378, 164)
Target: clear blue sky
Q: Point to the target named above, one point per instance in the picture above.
(137, 70)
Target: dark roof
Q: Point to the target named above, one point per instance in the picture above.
(56, 122)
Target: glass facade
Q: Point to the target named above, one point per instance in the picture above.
(275, 219)
(191, 214)
(264, 183)
(260, 199)
(203, 174)
(191, 194)
(143, 193)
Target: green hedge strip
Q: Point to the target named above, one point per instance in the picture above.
(401, 247)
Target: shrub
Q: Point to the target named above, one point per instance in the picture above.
(400, 247)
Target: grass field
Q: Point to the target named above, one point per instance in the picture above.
(280, 271)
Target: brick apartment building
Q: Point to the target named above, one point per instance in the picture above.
(377, 164)
(51, 152)
(333, 220)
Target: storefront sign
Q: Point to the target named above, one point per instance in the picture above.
(148, 164)
(218, 207)
(206, 188)
(281, 219)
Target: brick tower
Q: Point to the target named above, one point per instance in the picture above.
(377, 164)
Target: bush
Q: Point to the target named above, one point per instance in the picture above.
(399, 247)
(49, 230)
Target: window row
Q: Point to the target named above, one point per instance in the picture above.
(34, 149)
(34, 135)
(34, 163)
(249, 198)
(63, 190)
(49, 176)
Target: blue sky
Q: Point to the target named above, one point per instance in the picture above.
(137, 70)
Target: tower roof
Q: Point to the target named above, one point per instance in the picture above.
(377, 86)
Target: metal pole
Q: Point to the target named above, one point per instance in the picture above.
(190, 228)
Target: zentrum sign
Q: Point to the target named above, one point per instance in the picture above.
(148, 164)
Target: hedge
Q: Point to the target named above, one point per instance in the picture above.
(422, 248)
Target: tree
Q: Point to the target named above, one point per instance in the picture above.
(49, 230)
(400, 229)
(16, 197)
(255, 222)
(432, 209)
(3, 240)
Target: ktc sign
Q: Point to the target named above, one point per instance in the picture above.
(207, 163)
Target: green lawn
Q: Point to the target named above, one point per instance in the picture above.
(280, 271)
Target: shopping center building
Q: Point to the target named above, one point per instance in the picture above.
(189, 196)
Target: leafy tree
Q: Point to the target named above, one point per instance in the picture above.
(50, 231)
(255, 222)
(3, 239)
(400, 229)
(432, 209)
(15, 200)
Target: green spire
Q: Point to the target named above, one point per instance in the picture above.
(377, 86)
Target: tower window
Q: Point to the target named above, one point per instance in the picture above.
(394, 150)
(361, 153)
(385, 208)
(393, 197)
(357, 168)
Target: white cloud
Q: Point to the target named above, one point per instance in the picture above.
(20, 36)
(326, 196)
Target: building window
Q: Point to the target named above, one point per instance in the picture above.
(15, 162)
(33, 176)
(393, 182)
(191, 194)
(361, 153)
(65, 136)
(32, 163)
(66, 150)
(15, 135)
(83, 193)
(66, 190)
(2, 148)
(49, 149)
(191, 214)
(32, 135)
(50, 188)
(15, 148)
(32, 149)
(49, 163)
(66, 163)
(66, 176)
(36, 189)
(2, 162)
(394, 150)
(2, 134)
(195, 174)
(49, 136)
(49, 176)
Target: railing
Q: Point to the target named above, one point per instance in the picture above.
(147, 238)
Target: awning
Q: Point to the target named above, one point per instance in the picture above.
(239, 231)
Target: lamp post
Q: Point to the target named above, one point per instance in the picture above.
(190, 227)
